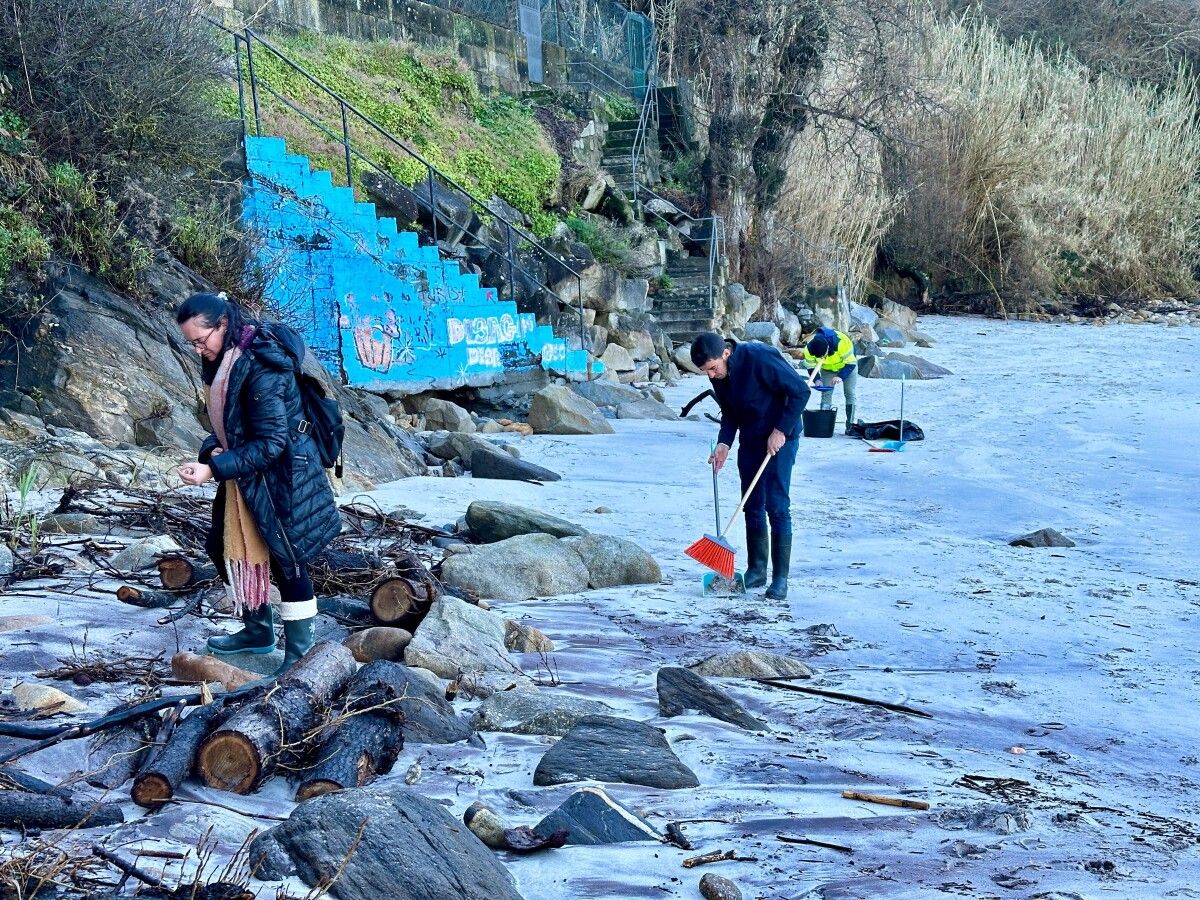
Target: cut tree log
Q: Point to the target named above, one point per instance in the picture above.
(380, 642)
(146, 599)
(402, 602)
(19, 809)
(169, 763)
(25, 782)
(179, 573)
(114, 755)
(248, 748)
(366, 743)
(361, 748)
(194, 668)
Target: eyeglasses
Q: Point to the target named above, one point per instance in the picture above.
(201, 343)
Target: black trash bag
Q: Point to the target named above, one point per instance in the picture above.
(887, 431)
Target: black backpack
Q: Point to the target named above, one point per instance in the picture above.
(322, 415)
(322, 420)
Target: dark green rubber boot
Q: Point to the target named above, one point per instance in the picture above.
(781, 563)
(257, 634)
(849, 418)
(756, 553)
(298, 639)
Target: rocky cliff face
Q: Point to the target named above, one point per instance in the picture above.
(103, 386)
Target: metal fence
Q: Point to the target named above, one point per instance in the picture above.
(602, 29)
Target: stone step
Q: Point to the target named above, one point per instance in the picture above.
(686, 337)
(688, 279)
(693, 266)
(674, 318)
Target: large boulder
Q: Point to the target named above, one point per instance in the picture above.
(607, 393)
(559, 410)
(894, 312)
(505, 467)
(606, 748)
(143, 554)
(617, 359)
(613, 561)
(410, 848)
(751, 664)
(681, 690)
(763, 332)
(790, 330)
(419, 700)
(882, 367)
(534, 712)
(646, 408)
(682, 357)
(1043, 537)
(591, 817)
(924, 366)
(528, 565)
(457, 637)
(491, 521)
(740, 305)
(442, 415)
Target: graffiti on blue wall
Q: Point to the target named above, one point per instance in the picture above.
(373, 304)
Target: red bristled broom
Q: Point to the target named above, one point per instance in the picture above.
(715, 552)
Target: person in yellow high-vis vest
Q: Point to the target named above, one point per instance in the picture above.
(833, 353)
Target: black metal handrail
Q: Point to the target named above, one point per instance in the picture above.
(247, 39)
(716, 236)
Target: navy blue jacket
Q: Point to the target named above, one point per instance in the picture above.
(276, 467)
(762, 392)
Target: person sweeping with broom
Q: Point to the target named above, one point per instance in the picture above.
(761, 397)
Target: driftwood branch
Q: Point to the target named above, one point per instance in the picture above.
(838, 695)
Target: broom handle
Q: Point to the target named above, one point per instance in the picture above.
(716, 494)
(746, 496)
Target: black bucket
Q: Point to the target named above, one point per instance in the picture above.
(819, 423)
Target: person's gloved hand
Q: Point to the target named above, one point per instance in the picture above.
(836, 381)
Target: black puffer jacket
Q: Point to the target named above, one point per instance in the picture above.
(276, 467)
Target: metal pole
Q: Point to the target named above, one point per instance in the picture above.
(346, 146)
(253, 82)
(237, 64)
(433, 216)
(512, 285)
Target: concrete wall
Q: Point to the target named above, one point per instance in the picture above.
(496, 55)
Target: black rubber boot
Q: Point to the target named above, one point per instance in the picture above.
(849, 418)
(756, 557)
(298, 639)
(781, 563)
(257, 634)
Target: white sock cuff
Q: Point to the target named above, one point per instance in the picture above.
(294, 612)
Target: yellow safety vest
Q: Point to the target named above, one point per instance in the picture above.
(836, 361)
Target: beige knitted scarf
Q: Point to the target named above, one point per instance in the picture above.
(247, 559)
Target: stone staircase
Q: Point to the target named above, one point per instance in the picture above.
(617, 160)
(685, 309)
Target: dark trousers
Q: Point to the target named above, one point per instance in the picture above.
(771, 498)
(291, 590)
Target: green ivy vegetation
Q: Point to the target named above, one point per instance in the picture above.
(490, 145)
(56, 208)
(607, 244)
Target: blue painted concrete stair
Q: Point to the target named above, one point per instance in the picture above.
(373, 304)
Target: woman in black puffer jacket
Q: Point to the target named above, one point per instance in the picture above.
(274, 510)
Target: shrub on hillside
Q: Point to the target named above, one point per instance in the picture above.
(114, 83)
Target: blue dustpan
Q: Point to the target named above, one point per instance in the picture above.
(893, 446)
